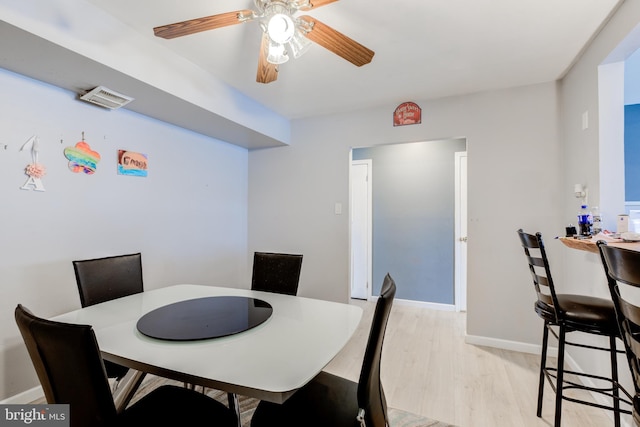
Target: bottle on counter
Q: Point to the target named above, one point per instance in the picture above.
(585, 221)
(597, 220)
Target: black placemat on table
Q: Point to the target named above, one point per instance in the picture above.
(204, 318)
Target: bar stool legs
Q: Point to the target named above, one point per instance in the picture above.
(559, 386)
(560, 376)
(543, 367)
(614, 377)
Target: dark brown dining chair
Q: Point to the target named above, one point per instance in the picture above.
(105, 279)
(108, 278)
(622, 267)
(571, 313)
(69, 365)
(330, 400)
(272, 272)
(276, 272)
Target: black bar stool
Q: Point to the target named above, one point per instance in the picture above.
(572, 313)
(623, 273)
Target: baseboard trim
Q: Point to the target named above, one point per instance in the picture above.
(422, 304)
(419, 304)
(509, 345)
(25, 397)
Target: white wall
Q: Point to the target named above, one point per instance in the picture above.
(631, 81)
(513, 170)
(188, 217)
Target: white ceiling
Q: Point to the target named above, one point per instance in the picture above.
(424, 48)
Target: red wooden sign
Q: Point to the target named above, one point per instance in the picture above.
(407, 113)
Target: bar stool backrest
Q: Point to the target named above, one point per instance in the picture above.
(536, 255)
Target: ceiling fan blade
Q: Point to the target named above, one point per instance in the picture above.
(267, 72)
(337, 42)
(314, 4)
(192, 26)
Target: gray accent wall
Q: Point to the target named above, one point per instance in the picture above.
(413, 217)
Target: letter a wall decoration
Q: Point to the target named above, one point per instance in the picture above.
(34, 170)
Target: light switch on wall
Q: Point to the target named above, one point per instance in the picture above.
(585, 120)
(338, 209)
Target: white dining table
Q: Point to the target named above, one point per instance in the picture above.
(268, 362)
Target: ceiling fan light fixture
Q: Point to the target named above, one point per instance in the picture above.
(299, 44)
(277, 53)
(281, 28)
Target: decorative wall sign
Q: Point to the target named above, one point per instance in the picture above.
(34, 170)
(132, 163)
(407, 113)
(82, 158)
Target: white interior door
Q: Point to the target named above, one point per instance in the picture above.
(361, 229)
(461, 232)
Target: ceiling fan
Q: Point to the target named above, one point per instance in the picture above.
(282, 33)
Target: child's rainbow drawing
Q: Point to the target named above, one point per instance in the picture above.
(82, 158)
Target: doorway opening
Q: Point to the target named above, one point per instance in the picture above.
(406, 202)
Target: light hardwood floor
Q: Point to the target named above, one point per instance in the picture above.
(428, 369)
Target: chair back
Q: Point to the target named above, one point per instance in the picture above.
(370, 392)
(538, 263)
(274, 272)
(622, 267)
(67, 360)
(104, 279)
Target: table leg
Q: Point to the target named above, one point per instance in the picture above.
(234, 405)
(128, 387)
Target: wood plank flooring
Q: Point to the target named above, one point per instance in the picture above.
(429, 370)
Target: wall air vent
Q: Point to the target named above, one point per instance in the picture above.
(106, 98)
